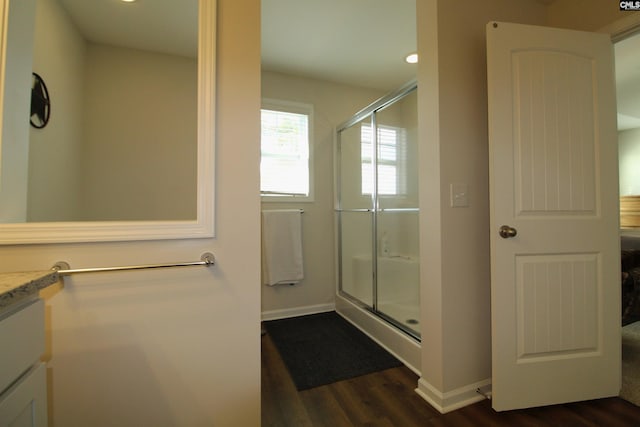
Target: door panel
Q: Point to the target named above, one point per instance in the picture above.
(555, 168)
(554, 180)
(557, 296)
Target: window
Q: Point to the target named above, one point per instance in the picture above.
(285, 147)
(392, 144)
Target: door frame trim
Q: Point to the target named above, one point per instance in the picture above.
(622, 28)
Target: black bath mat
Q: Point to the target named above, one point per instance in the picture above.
(324, 348)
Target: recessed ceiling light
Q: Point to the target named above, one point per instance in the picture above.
(412, 58)
(127, 1)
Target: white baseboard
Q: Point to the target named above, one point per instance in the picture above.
(297, 311)
(451, 400)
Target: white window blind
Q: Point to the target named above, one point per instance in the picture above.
(284, 165)
(391, 160)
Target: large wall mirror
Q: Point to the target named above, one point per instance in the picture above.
(128, 152)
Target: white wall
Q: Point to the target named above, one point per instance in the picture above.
(53, 191)
(333, 104)
(629, 155)
(176, 347)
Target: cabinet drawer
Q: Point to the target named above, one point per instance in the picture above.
(25, 403)
(21, 340)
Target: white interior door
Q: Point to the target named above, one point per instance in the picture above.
(554, 184)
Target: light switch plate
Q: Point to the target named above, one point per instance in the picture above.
(459, 195)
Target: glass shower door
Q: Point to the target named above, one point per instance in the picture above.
(355, 217)
(398, 281)
(377, 210)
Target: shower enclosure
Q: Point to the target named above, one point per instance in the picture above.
(377, 210)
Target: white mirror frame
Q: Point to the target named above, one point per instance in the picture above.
(103, 231)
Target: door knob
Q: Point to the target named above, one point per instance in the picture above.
(507, 232)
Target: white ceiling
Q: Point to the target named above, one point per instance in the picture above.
(166, 26)
(357, 42)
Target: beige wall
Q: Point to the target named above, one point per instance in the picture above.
(189, 339)
(54, 191)
(16, 82)
(177, 347)
(455, 292)
(456, 338)
(140, 135)
(123, 124)
(629, 151)
(333, 104)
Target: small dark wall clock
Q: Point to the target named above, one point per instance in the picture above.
(40, 103)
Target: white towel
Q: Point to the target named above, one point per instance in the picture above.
(281, 247)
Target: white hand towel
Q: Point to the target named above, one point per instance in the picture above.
(282, 247)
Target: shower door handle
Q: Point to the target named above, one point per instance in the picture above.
(507, 232)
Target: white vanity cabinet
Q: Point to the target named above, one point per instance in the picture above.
(23, 382)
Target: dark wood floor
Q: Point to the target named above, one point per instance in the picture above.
(388, 399)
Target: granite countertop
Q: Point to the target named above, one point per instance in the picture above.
(16, 286)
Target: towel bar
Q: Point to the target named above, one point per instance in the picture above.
(207, 259)
(283, 210)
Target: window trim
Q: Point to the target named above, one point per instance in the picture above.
(297, 108)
